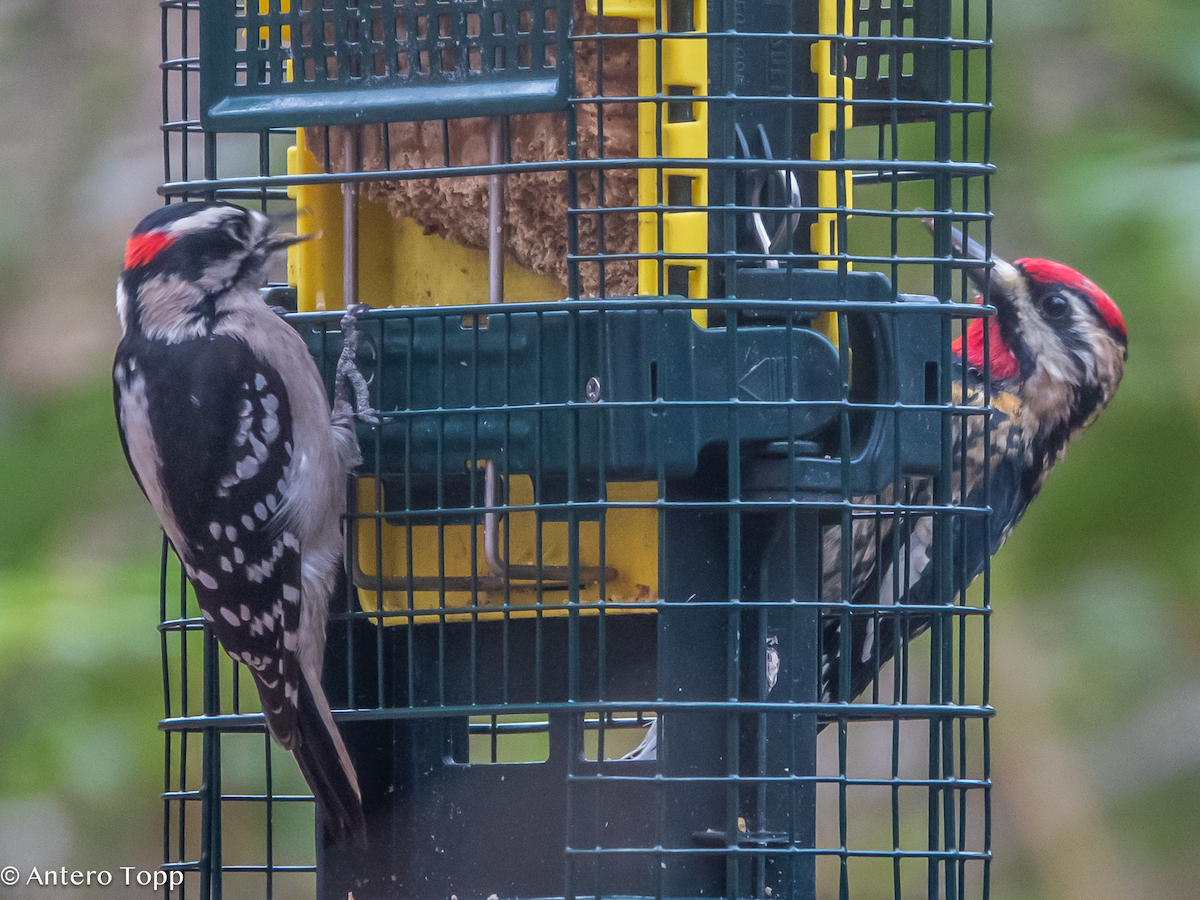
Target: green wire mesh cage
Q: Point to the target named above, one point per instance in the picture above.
(662, 355)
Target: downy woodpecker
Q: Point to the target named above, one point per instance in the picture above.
(227, 428)
(1056, 350)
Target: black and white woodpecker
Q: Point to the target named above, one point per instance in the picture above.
(1055, 352)
(227, 427)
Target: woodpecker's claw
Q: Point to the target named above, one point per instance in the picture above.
(347, 369)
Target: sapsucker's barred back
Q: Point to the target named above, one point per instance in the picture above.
(226, 425)
(1056, 350)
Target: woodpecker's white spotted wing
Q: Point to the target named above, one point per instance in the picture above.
(220, 502)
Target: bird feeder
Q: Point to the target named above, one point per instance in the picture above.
(654, 328)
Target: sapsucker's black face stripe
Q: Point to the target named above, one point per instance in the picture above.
(1008, 319)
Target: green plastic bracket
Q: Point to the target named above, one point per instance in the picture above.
(639, 391)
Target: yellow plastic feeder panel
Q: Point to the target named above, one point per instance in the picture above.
(684, 70)
(448, 569)
(398, 264)
(401, 266)
(823, 237)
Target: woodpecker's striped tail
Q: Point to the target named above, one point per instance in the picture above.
(326, 765)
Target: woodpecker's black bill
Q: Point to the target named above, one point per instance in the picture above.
(280, 240)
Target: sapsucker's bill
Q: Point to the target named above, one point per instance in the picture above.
(1055, 352)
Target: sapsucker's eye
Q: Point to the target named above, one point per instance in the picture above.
(1055, 306)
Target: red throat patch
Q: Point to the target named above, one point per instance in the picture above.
(142, 248)
(1004, 365)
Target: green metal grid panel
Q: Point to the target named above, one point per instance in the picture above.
(307, 62)
(895, 71)
(489, 749)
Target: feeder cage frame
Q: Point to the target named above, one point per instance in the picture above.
(654, 328)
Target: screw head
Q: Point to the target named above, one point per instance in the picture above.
(592, 391)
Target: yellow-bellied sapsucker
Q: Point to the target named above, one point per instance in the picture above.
(1055, 352)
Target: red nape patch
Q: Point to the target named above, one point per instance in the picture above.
(1004, 365)
(1047, 272)
(144, 247)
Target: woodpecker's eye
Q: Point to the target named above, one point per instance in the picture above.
(1055, 306)
(238, 228)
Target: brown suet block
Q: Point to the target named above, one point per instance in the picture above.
(535, 214)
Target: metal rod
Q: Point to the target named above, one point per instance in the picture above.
(548, 578)
(496, 218)
(491, 521)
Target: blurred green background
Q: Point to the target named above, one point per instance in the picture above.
(1096, 636)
